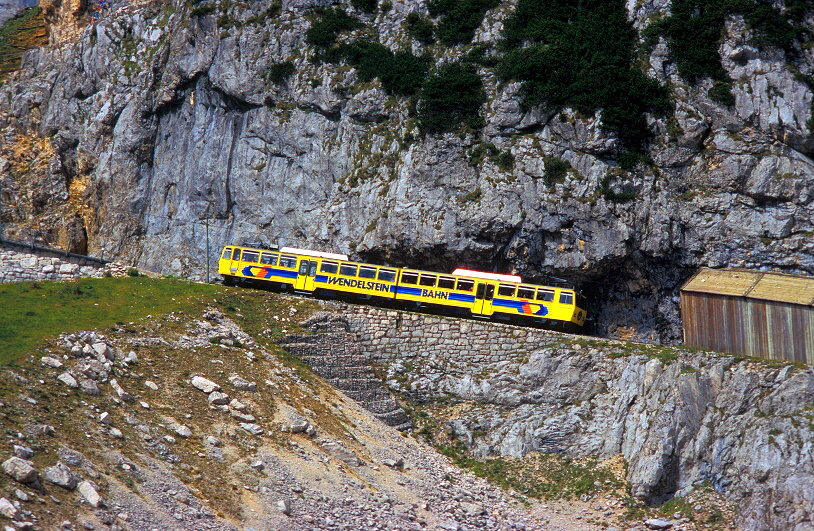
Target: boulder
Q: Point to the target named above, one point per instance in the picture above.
(254, 429)
(299, 426)
(151, 385)
(342, 453)
(183, 431)
(20, 469)
(89, 387)
(105, 419)
(242, 417)
(655, 523)
(242, 384)
(68, 380)
(89, 491)
(23, 452)
(61, 476)
(207, 386)
(7, 509)
(284, 506)
(218, 399)
(103, 351)
(237, 405)
(52, 363)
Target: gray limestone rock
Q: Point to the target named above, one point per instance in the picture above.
(68, 380)
(343, 454)
(90, 492)
(20, 470)
(218, 399)
(61, 476)
(242, 384)
(8, 509)
(120, 392)
(207, 386)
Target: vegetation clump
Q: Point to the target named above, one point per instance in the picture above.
(200, 9)
(18, 35)
(459, 18)
(450, 98)
(329, 24)
(278, 73)
(555, 170)
(420, 28)
(504, 160)
(400, 73)
(580, 54)
(367, 6)
(695, 30)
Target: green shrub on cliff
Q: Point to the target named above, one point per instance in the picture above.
(421, 29)
(459, 18)
(450, 98)
(401, 73)
(580, 54)
(329, 24)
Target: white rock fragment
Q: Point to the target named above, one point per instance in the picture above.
(145, 405)
(237, 405)
(21, 470)
(257, 464)
(52, 363)
(242, 384)
(284, 506)
(121, 393)
(105, 419)
(183, 431)
(7, 509)
(91, 495)
(23, 452)
(254, 429)
(214, 441)
(68, 380)
(61, 476)
(218, 399)
(116, 433)
(151, 385)
(207, 386)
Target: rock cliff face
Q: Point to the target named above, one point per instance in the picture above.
(743, 428)
(143, 128)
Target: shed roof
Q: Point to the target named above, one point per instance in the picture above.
(753, 285)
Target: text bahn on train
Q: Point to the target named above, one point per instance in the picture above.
(476, 293)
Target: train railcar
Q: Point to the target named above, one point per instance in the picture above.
(476, 293)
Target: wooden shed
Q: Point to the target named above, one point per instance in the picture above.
(750, 313)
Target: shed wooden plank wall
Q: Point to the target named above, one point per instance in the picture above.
(748, 327)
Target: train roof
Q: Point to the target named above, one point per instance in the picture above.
(318, 254)
(487, 276)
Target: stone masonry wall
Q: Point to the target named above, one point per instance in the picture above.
(387, 335)
(18, 264)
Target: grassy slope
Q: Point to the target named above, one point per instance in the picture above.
(18, 35)
(32, 312)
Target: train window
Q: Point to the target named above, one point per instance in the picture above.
(566, 298)
(525, 292)
(329, 267)
(427, 280)
(446, 283)
(367, 272)
(582, 302)
(387, 275)
(250, 256)
(505, 290)
(268, 259)
(236, 255)
(545, 295)
(348, 270)
(288, 261)
(465, 285)
(409, 278)
(227, 254)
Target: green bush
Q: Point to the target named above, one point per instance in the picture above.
(695, 29)
(449, 98)
(401, 73)
(279, 73)
(202, 10)
(580, 54)
(459, 18)
(420, 28)
(331, 22)
(555, 170)
(368, 6)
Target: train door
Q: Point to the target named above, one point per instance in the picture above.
(234, 264)
(484, 293)
(305, 275)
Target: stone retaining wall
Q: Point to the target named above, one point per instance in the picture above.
(386, 335)
(18, 264)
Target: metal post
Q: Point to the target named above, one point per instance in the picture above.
(207, 250)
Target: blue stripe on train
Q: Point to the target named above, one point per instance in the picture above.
(516, 305)
(247, 271)
(320, 278)
(415, 292)
(461, 298)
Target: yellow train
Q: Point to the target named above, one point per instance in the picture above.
(475, 293)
